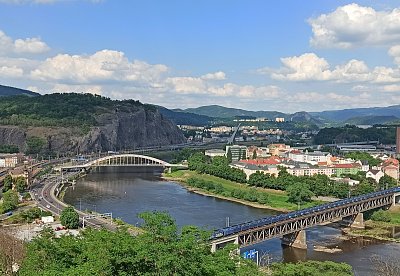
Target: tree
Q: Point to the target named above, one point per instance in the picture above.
(229, 155)
(34, 145)
(386, 182)
(364, 187)
(254, 154)
(312, 268)
(69, 218)
(160, 250)
(381, 215)
(7, 183)
(20, 184)
(10, 200)
(299, 193)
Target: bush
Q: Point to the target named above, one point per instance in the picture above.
(69, 218)
(262, 198)
(381, 215)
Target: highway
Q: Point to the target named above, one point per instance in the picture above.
(44, 195)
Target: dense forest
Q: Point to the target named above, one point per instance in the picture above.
(348, 134)
(68, 109)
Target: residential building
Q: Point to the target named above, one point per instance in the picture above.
(352, 168)
(375, 174)
(391, 167)
(236, 152)
(279, 120)
(21, 172)
(278, 149)
(249, 169)
(10, 160)
(346, 180)
(310, 157)
(214, 152)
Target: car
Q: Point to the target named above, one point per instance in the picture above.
(8, 214)
(48, 206)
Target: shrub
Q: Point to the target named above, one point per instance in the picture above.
(381, 215)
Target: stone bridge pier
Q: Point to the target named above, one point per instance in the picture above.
(296, 239)
(354, 221)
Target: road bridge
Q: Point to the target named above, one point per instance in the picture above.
(120, 160)
(291, 226)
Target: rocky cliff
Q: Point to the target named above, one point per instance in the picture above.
(102, 126)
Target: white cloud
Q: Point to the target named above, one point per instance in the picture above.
(21, 46)
(394, 51)
(310, 67)
(305, 67)
(391, 88)
(354, 25)
(10, 72)
(105, 65)
(214, 76)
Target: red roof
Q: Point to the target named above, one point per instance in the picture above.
(345, 166)
(263, 161)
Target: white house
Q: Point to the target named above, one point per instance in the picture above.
(375, 174)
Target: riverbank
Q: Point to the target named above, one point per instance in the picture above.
(386, 231)
(276, 200)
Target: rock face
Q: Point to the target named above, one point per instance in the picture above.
(116, 130)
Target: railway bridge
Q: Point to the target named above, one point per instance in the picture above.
(290, 227)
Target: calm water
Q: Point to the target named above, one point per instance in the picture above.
(126, 194)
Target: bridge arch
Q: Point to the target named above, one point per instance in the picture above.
(126, 160)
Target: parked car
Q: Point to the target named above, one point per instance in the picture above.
(8, 214)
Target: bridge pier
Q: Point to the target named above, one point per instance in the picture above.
(396, 199)
(215, 245)
(296, 239)
(355, 221)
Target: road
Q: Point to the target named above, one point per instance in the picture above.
(44, 195)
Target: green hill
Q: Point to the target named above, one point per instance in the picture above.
(12, 91)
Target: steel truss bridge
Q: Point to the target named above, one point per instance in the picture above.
(289, 226)
(119, 160)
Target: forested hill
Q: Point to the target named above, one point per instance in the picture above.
(83, 122)
(68, 109)
(348, 134)
(12, 91)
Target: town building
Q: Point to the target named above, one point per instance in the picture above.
(278, 149)
(310, 157)
(375, 174)
(214, 152)
(236, 152)
(249, 168)
(391, 167)
(10, 160)
(341, 169)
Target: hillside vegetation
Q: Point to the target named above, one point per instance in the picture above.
(69, 109)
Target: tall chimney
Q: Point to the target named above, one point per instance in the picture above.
(398, 140)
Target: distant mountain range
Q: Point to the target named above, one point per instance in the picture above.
(346, 114)
(226, 112)
(207, 114)
(12, 91)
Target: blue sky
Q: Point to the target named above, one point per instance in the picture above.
(258, 55)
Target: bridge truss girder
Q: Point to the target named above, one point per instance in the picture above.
(280, 229)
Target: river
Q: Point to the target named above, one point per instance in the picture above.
(126, 194)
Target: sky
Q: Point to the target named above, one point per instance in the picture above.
(285, 55)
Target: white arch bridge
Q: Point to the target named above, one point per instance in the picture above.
(121, 160)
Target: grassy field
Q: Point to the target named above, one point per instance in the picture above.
(277, 199)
